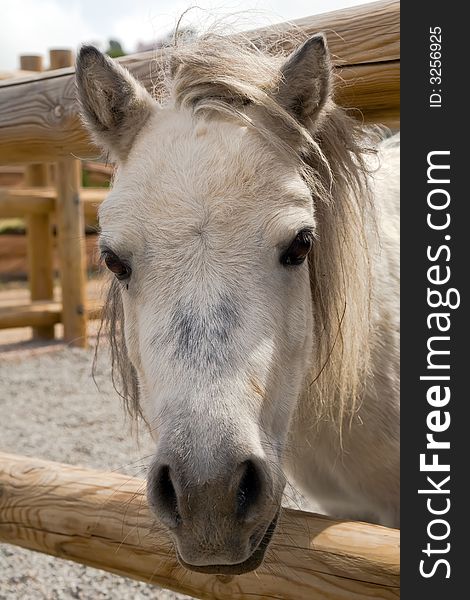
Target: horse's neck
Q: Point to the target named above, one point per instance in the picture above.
(381, 391)
(352, 470)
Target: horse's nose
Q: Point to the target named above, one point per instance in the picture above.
(239, 494)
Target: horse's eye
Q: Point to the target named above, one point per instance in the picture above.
(119, 268)
(300, 246)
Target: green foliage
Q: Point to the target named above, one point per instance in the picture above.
(86, 180)
(12, 226)
(115, 49)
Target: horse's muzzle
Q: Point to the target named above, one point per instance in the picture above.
(224, 524)
(250, 564)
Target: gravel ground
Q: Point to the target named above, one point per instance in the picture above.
(50, 408)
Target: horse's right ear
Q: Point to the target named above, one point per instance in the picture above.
(114, 105)
(305, 84)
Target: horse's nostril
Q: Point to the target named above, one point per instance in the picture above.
(249, 489)
(165, 494)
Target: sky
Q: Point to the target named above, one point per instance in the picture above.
(35, 26)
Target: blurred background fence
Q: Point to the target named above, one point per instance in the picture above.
(51, 186)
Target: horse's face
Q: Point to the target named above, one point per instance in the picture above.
(208, 231)
(217, 324)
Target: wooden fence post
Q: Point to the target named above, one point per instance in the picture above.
(71, 235)
(71, 246)
(39, 230)
(31, 62)
(60, 58)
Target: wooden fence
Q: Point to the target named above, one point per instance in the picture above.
(39, 124)
(37, 203)
(102, 520)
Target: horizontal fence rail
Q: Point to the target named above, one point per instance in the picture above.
(101, 519)
(39, 115)
(41, 313)
(36, 201)
(20, 202)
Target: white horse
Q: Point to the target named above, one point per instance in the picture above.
(253, 317)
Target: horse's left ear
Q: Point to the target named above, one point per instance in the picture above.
(114, 105)
(305, 83)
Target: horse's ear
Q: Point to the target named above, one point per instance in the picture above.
(305, 83)
(114, 105)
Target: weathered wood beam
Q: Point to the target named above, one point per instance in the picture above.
(38, 116)
(102, 520)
